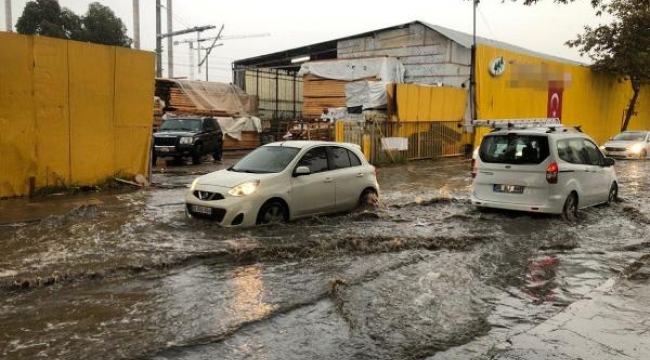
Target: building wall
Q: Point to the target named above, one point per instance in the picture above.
(428, 57)
(71, 113)
(279, 92)
(594, 101)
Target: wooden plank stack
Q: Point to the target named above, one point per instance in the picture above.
(320, 93)
(180, 103)
(249, 140)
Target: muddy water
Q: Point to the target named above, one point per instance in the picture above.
(422, 276)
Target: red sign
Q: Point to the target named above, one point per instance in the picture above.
(554, 105)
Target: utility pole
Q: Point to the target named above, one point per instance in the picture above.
(158, 42)
(136, 23)
(170, 43)
(472, 69)
(208, 50)
(8, 19)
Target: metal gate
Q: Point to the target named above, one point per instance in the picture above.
(424, 139)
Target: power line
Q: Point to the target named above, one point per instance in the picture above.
(486, 23)
(180, 20)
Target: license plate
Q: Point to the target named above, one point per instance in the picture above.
(202, 209)
(164, 149)
(510, 189)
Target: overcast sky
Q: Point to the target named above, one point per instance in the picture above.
(292, 23)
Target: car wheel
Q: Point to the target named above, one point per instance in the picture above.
(643, 154)
(570, 210)
(368, 197)
(196, 155)
(273, 212)
(613, 194)
(216, 155)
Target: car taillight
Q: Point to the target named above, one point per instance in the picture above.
(473, 168)
(551, 173)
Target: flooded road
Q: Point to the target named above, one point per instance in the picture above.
(423, 276)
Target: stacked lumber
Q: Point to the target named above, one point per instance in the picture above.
(320, 93)
(157, 113)
(180, 103)
(249, 140)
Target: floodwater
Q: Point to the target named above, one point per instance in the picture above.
(422, 276)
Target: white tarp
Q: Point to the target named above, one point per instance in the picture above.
(233, 127)
(206, 95)
(367, 94)
(383, 68)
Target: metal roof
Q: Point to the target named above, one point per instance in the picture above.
(328, 49)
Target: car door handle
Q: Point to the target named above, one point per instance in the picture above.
(328, 180)
(359, 175)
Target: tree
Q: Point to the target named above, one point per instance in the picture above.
(622, 47)
(103, 27)
(99, 25)
(45, 17)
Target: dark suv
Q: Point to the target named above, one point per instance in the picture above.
(181, 137)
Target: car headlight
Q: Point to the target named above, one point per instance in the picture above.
(186, 140)
(636, 148)
(245, 189)
(194, 183)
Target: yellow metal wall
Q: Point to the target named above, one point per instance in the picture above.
(592, 100)
(71, 112)
(430, 103)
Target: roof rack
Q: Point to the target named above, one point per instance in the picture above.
(553, 129)
(500, 124)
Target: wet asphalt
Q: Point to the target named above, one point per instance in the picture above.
(421, 276)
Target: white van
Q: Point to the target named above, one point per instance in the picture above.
(548, 169)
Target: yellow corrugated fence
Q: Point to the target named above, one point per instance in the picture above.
(72, 113)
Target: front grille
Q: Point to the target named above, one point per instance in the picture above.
(207, 195)
(217, 214)
(609, 148)
(165, 141)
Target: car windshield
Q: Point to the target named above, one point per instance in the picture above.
(514, 148)
(181, 125)
(630, 136)
(266, 159)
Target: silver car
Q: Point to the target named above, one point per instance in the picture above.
(628, 145)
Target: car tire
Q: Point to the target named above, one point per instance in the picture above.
(272, 212)
(368, 197)
(216, 155)
(643, 154)
(570, 209)
(613, 194)
(196, 154)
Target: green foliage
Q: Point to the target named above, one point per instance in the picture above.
(103, 27)
(42, 17)
(622, 47)
(99, 25)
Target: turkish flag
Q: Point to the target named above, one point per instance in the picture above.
(554, 105)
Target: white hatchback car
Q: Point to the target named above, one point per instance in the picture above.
(284, 181)
(552, 169)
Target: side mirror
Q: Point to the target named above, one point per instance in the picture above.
(607, 162)
(301, 170)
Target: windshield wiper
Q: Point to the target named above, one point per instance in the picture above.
(248, 171)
